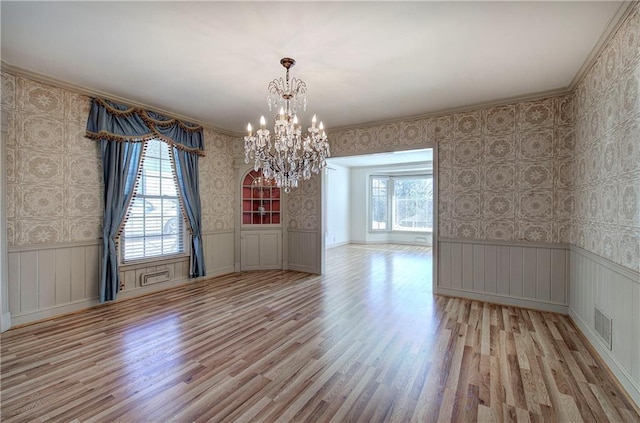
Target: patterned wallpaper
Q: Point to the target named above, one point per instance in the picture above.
(504, 172)
(562, 169)
(54, 174)
(607, 151)
(217, 182)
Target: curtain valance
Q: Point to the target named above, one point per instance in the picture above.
(116, 122)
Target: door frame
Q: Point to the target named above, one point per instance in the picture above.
(434, 248)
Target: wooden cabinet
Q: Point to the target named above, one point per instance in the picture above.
(261, 249)
(261, 214)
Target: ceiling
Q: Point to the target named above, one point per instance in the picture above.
(362, 61)
(421, 157)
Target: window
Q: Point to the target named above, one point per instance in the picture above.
(401, 203)
(379, 203)
(155, 227)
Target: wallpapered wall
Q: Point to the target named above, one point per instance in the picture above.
(563, 169)
(54, 174)
(504, 172)
(607, 151)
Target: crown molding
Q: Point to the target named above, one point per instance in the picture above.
(613, 26)
(461, 109)
(91, 92)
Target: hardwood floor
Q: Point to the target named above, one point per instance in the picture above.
(366, 342)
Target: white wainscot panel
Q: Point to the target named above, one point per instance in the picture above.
(50, 280)
(520, 274)
(303, 251)
(218, 251)
(615, 290)
(46, 281)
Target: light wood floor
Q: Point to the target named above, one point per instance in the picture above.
(366, 342)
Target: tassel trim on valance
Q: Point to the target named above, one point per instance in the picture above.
(104, 135)
(152, 123)
(146, 118)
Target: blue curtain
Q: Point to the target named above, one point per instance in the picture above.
(187, 176)
(120, 163)
(122, 132)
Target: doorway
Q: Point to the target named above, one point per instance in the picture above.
(381, 199)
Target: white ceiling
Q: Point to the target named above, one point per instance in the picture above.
(397, 157)
(362, 61)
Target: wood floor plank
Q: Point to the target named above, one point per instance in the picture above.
(363, 342)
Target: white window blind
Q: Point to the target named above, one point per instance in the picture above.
(155, 226)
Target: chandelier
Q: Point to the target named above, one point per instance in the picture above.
(288, 155)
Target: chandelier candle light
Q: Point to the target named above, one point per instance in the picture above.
(291, 156)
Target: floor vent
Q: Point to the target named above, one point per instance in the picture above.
(604, 326)
(157, 276)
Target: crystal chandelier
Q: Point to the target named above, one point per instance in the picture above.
(288, 155)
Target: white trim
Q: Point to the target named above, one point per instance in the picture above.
(52, 312)
(606, 356)
(613, 266)
(92, 92)
(504, 299)
(558, 92)
(5, 321)
(219, 231)
(304, 231)
(612, 27)
(556, 246)
(337, 244)
(56, 246)
(73, 307)
(415, 244)
(139, 264)
(304, 269)
(5, 315)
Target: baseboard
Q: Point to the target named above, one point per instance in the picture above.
(57, 311)
(304, 269)
(623, 377)
(52, 312)
(219, 272)
(415, 244)
(337, 244)
(6, 322)
(505, 300)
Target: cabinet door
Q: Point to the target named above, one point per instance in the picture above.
(260, 250)
(249, 250)
(271, 250)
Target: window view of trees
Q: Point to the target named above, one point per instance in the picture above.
(402, 203)
(379, 203)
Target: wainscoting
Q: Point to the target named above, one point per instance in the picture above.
(303, 251)
(520, 274)
(615, 290)
(50, 280)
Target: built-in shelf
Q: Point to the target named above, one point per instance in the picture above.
(260, 200)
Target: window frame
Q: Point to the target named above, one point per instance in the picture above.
(391, 201)
(185, 245)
